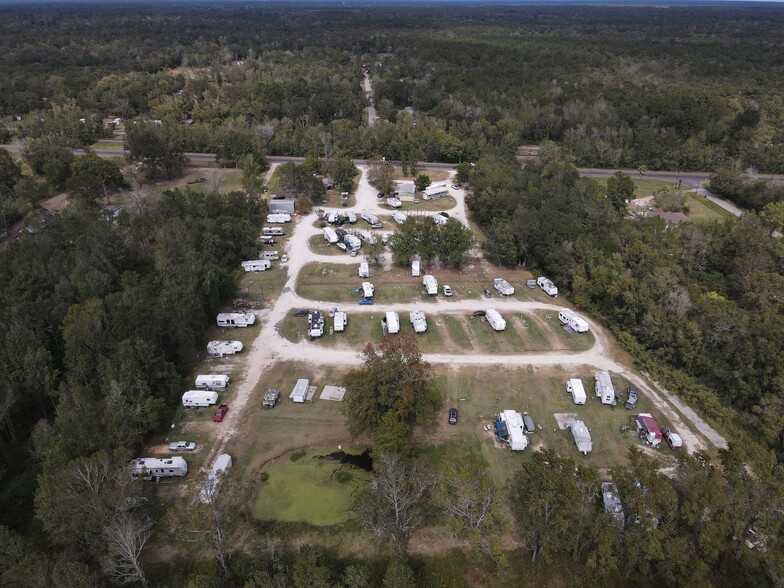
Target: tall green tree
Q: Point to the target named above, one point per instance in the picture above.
(155, 149)
(620, 189)
(50, 158)
(93, 177)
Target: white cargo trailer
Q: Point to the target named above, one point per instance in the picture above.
(330, 236)
(495, 319)
(256, 265)
(221, 348)
(199, 398)
(582, 437)
(573, 320)
(212, 382)
(431, 284)
(419, 321)
(364, 270)
(341, 320)
(300, 391)
(153, 468)
(503, 287)
(575, 388)
(547, 286)
(236, 319)
(393, 322)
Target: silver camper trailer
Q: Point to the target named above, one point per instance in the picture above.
(152, 468)
(199, 398)
(212, 382)
(236, 319)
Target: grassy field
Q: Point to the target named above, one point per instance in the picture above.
(107, 145)
(318, 245)
(643, 186)
(436, 175)
(308, 490)
(445, 203)
(703, 210)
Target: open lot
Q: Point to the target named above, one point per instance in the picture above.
(703, 210)
(643, 186)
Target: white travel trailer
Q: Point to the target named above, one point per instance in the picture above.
(604, 387)
(582, 437)
(199, 398)
(393, 322)
(435, 192)
(271, 255)
(367, 237)
(236, 319)
(364, 270)
(300, 391)
(399, 217)
(272, 232)
(394, 202)
(419, 321)
(218, 471)
(573, 320)
(333, 217)
(352, 242)
(367, 289)
(330, 236)
(370, 219)
(341, 320)
(256, 265)
(439, 219)
(503, 287)
(351, 217)
(212, 382)
(546, 285)
(575, 388)
(152, 468)
(279, 217)
(221, 348)
(315, 324)
(515, 429)
(415, 271)
(431, 284)
(495, 320)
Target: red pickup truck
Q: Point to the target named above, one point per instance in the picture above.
(220, 413)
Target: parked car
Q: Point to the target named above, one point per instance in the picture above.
(457, 186)
(365, 301)
(333, 311)
(447, 290)
(479, 313)
(452, 416)
(342, 246)
(284, 258)
(300, 312)
(380, 195)
(182, 446)
(488, 293)
(631, 397)
(220, 413)
(377, 226)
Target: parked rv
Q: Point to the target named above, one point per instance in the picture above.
(575, 388)
(582, 437)
(272, 232)
(300, 391)
(394, 202)
(265, 240)
(330, 236)
(212, 382)
(503, 287)
(604, 387)
(439, 219)
(351, 217)
(236, 319)
(152, 468)
(418, 321)
(271, 255)
(547, 286)
(221, 348)
(370, 219)
(279, 217)
(182, 446)
(315, 324)
(367, 289)
(510, 428)
(271, 398)
(199, 398)
(399, 217)
(352, 242)
(573, 320)
(647, 429)
(495, 319)
(415, 272)
(431, 284)
(256, 265)
(392, 322)
(341, 320)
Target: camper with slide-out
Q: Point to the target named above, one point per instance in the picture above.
(418, 321)
(153, 468)
(330, 236)
(582, 437)
(236, 319)
(270, 255)
(509, 427)
(495, 319)
(573, 320)
(575, 388)
(221, 348)
(272, 232)
(256, 265)
(604, 387)
(547, 286)
(212, 382)
(199, 398)
(431, 284)
(503, 287)
(341, 320)
(392, 321)
(367, 289)
(399, 217)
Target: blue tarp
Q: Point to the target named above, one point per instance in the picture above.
(500, 429)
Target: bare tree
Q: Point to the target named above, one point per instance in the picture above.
(466, 494)
(126, 536)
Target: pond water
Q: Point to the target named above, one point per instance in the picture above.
(363, 461)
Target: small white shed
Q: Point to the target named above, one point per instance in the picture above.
(415, 271)
(300, 391)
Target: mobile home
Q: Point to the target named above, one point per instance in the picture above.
(221, 348)
(370, 219)
(419, 321)
(236, 319)
(604, 387)
(647, 429)
(547, 286)
(256, 265)
(495, 320)
(152, 468)
(367, 289)
(575, 388)
(218, 471)
(300, 391)
(212, 382)
(582, 437)
(271, 255)
(341, 320)
(279, 217)
(431, 284)
(415, 272)
(435, 192)
(393, 322)
(315, 324)
(439, 219)
(330, 236)
(514, 428)
(272, 232)
(399, 217)
(364, 270)
(503, 287)
(573, 320)
(199, 398)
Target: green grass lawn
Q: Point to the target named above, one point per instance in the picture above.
(107, 145)
(308, 491)
(643, 186)
(703, 210)
(445, 203)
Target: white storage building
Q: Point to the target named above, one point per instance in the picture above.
(576, 389)
(435, 192)
(418, 321)
(236, 319)
(341, 320)
(212, 382)
(573, 320)
(199, 398)
(415, 271)
(393, 322)
(495, 319)
(152, 468)
(431, 284)
(300, 391)
(582, 437)
(221, 348)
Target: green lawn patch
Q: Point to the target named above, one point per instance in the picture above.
(308, 490)
(643, 186)
(703, 210)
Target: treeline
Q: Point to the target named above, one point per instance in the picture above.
(702, 298)
(100, 320)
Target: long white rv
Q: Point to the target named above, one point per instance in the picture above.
(575, 388)
(495, 320)
(212, 382)
(300, 391)
(341, 320)
(351, 217)
(370, 219)
(221, 348)
(279, 217)
(419, 321)
(364, 270)
(272, 232)
(330, 236)
(573, 320)
(315, 324)
(547, 286)
(367, 289)
(604, 387)
(415, 271)
(333, 217)
(582, 437)
(236, 319)
(393, 322)
(439, 219)
(431, 284)
(399, 217)
(352, 242)
(271, 255)
(256, 265)
(515, 429)
(435, 192)
(218, 471)
(199, 398)
(152, 468)
(503, 287)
